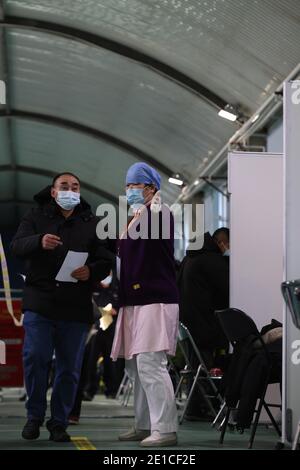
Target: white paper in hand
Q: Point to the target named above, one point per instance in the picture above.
(72, 261)
(106, 317)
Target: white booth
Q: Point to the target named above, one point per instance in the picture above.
(292, 242)
(256, 187)
(265, 243)
(255, 184)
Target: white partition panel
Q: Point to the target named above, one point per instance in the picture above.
(292, 194)
(256, 222)
(257, 240)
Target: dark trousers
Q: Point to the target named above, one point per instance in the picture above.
(76, 410)
(42, 337)
(101, 344)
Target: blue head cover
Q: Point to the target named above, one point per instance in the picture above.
(142, 173)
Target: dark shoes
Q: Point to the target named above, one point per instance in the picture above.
(58, 433)
(31, 430)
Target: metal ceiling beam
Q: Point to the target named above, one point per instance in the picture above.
(50, 174)
(256, 122)
(131, 53)
(215, 187)
(95, 133)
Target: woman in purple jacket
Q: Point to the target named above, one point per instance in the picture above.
(147, 323)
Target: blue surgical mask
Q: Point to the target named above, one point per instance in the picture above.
(226, 253)
(67, 200)
(135, 197)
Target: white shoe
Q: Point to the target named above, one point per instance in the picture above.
(134, 435)
(158, 439)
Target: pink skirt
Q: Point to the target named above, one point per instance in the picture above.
(146, 328)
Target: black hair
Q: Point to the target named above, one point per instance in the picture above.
(62, 174)
(222, 232)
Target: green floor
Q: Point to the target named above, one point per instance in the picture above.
(103, 419)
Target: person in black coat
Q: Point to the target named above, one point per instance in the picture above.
(203, 282)
(57, 314)
(102, 342)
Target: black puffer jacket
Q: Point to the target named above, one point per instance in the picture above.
(203, 282)
(42, 293)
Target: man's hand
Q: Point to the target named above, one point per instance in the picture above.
(113, 312)
(81, 274)
(50, 242)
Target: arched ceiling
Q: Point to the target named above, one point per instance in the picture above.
(95, 85)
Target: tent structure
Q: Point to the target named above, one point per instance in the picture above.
(94, 85)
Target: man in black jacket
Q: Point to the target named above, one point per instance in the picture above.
(57, 314)
(203, 283)
(204, 287)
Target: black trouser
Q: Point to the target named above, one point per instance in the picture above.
(82, 381)
(101, 344)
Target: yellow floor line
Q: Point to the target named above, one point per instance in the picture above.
(82, 443)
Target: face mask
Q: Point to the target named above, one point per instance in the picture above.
(226, 253)
(67, 200)
(135, 196)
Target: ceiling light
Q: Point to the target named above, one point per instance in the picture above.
(176, 179)
(227, 115)
(229, 112)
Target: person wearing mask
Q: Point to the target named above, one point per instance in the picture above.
(203, 283)
(57, 314)
(221, 237)
(147, 323)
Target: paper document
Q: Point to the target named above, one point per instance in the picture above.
(72, 261)
(106, 321)
(106, 316)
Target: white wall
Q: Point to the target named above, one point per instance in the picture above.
(292, 194)
(256, 234)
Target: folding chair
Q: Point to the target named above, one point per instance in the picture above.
(291, 293)
(195, 368)
(240, 328)
(173, 371)
(125, 388)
